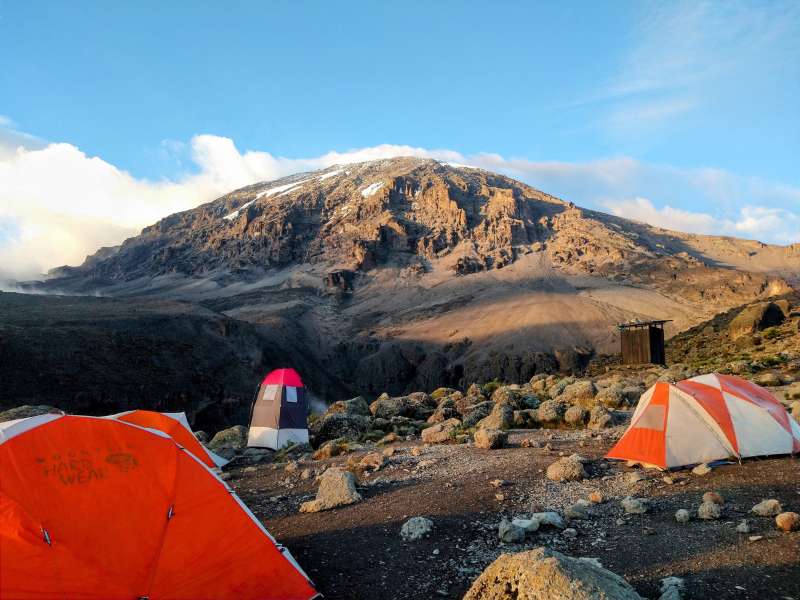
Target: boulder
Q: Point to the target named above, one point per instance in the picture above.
(332, 448)
(526, 419)
(416, 528)
(414, 406)
(549, 518)
(767, 508)
(474, 413)
(354, 406)
(501, 417)
(611, 396)
(569, 468)
(551, 412)
(336, 488)
(788, 521)
(600, 418)
(445, 410)
(441, 393)
(575, 416)
(25, 411)
(510, 533)
(581, 393)
(233, 438)
(755, 317)
(441, 432)
(489, 439)
(339, 425)
(545, 574)
(768, 379)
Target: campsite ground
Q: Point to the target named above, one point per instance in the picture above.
(355, 552)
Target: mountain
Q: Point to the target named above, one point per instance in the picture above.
(412, 273)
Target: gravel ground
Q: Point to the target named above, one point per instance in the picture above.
(355, 552)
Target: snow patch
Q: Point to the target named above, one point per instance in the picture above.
(325, 176)
(237, 212)
(371, 189)
(281, 188)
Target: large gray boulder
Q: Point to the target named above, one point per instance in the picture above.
(336, 425)
(233, 438)
(354, 406)
(545, 574)
(336, 488)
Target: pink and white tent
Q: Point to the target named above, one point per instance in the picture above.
(706, 418)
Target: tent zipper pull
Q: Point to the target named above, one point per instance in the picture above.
(46, 536)
(170, 512)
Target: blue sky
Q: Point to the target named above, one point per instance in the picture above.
(682, 113)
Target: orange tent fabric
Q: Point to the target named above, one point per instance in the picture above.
(171, 424)
(94, 508)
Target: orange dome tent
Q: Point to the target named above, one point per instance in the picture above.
(176, 426)
(706, 418)
(98, 508)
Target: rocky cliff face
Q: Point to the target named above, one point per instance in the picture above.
(407, 273)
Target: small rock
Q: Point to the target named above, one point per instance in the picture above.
(510, 533)
(713, 497)
(576, 511)
(743, 527)
(291, 466)
(668, 480)
(767, 508)
(570, 533)
(755, 538)
(551, 518)
(416, 528)
(424, 464)
(529, 525)
(569, 468)
(305, 474)
(788, 521)
(596, 497)
(530, 443)
(709, 511)
(634, 506)
(498, 483)
(702, 469)
(672, 588)
(416, 451)
(682, 515)
(499, 497)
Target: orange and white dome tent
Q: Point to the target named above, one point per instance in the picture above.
(98, 508)
(706, 418)
(175, 425)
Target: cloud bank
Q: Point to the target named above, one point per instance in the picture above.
(57, 204)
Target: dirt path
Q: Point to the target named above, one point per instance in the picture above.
(356, 552)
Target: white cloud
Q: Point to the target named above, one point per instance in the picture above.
(641, 209)
(57, 204)
(751, 222)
